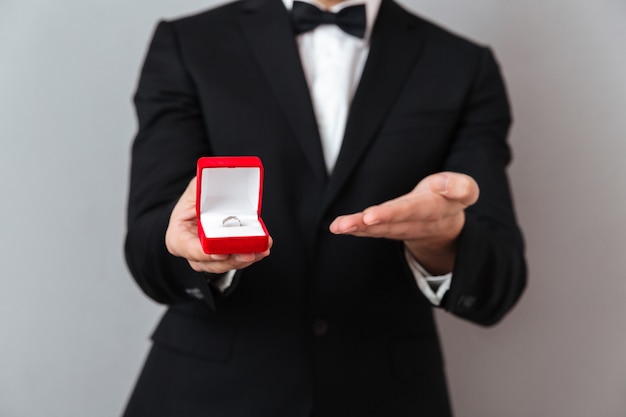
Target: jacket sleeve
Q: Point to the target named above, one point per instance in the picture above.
(490, 271)
(171, 137)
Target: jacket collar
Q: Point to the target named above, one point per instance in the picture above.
(396, 45)
(267, 28)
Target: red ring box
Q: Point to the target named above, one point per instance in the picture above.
(230, 186)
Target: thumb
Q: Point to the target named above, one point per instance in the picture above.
(455, 186)
(189, 195)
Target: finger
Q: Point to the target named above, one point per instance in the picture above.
(424, 203)
(218, 256)
(415, 206)
(347, 224)
(247, 258)
(191, 188)
(185, 209)
(188, 198)
(223, 263)
(409, 230)
(233, 260)
(195, 253)
(455, 186)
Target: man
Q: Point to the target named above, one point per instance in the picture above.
(376, 145)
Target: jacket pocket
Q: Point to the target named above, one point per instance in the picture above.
(204, 339)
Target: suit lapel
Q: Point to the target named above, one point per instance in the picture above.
(267, 28)
(395, 46)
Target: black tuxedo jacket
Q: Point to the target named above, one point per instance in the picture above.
(326, 325)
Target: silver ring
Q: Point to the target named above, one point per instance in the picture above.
(231, 221)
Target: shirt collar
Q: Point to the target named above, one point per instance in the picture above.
(371, 10)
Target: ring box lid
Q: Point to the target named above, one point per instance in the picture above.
(230, 186)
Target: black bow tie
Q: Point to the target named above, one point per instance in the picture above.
(307, 17)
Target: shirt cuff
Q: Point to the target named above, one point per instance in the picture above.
(434, 287)
(225, 281)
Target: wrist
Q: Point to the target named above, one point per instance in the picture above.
(437, 259)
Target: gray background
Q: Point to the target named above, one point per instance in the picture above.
(74, 328)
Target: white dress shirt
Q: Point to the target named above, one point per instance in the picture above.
(333, 62)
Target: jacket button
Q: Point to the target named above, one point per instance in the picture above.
(466, 302)
(320, 327)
